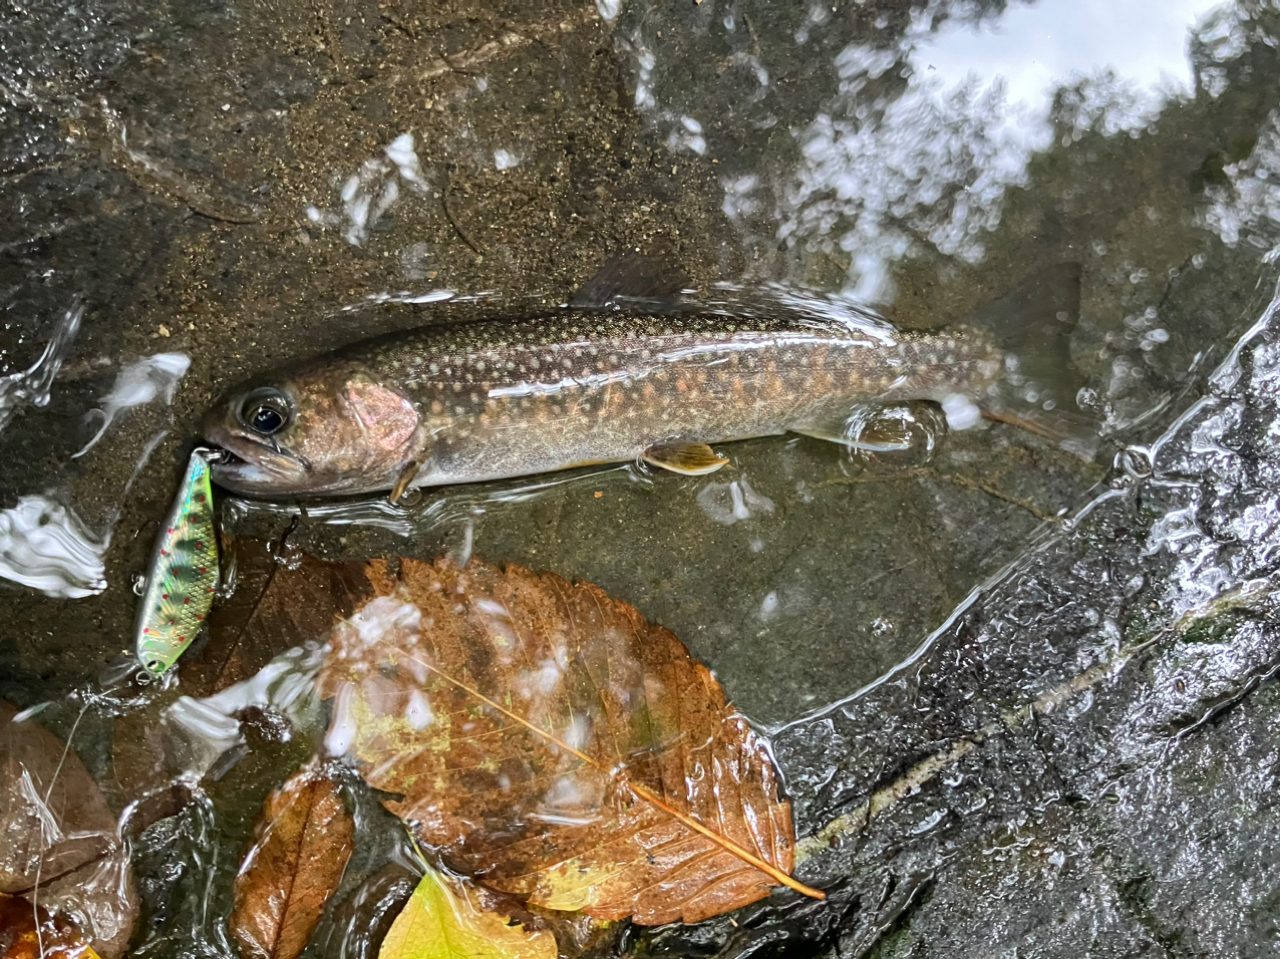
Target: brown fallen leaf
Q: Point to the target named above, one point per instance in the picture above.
(445, 920)
(55, 938)
(59, 841)
(549, 741)
(275, 606)
(301, 846)
(29, 759)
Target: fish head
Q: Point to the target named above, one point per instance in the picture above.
(329, 428)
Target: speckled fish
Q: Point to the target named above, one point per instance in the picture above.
(600, 383)
(183, 574)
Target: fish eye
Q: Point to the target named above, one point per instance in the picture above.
(266, 412)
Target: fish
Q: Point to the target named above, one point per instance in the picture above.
(628, 370)
(182, 578)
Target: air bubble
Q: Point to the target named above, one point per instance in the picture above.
(1132, 463)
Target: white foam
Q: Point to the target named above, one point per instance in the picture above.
(504, 160)
(46, 546)
(961, 412)
(210, 725)
(139, 383)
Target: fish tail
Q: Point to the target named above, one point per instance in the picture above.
(1040, 384)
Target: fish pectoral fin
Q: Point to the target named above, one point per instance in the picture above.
(407, 475)
(691, 459)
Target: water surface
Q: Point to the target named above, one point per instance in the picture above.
(239, 184)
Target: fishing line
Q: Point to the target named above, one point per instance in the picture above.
(91, 700)
(48, 793)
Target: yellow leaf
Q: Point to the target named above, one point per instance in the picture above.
(444, 920)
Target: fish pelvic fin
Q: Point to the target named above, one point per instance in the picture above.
(872, 440)
(689, 459)
(407, 475)
(1038, 389)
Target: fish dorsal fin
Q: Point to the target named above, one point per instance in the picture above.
(631, 277)
(690, 459)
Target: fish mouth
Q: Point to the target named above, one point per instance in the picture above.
(247, 465)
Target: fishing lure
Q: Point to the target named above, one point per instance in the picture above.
(183, 574)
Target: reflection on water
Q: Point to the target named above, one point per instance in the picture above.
(140, 382)
(422, 514)
(372, 191)
(32, 385)
(931, 119)
(1032, 48)
(968, 691)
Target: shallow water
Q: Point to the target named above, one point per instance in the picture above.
(1072, 657)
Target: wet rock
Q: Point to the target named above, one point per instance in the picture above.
(1082, 762)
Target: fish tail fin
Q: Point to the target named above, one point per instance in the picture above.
(1040, 384)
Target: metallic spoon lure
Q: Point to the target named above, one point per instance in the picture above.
(183, 574)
